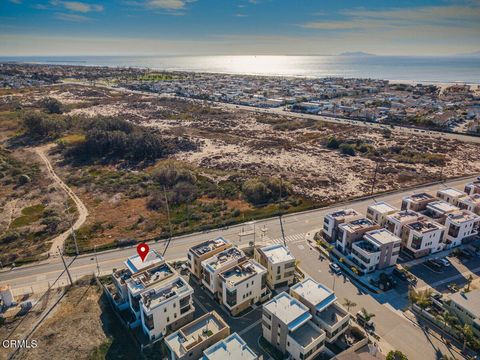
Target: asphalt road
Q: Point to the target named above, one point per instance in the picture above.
(267, 230)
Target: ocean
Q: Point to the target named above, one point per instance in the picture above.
(404, 68)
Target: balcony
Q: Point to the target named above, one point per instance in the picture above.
(334, 320)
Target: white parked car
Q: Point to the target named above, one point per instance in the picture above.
(444, 262)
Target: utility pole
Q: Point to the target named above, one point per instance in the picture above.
(283, 232)
(169, 222)
(72, 229)
(65, 265)
(96, 259)
(334, 278)
(374, 180)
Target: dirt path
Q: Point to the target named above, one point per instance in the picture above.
(9, 210)
(59, 241)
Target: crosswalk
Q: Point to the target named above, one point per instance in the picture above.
(295, 238)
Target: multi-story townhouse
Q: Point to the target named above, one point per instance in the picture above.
(230, 348)
(279, 263)
(322, 303)
(243, 285)
(335, 218)
(198, 253)
(473, 188)
(438, 210)
(213, 266)
(287, 325)
(398, 220)
(451, 195)
(190, 341)
(353, 231)
(417, 202)
(377, 250)
(460, 225)
(466, 305)
(470, 203)
(379, 211)
(166, 306)
(422, 237)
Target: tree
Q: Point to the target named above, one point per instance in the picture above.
(52, 105)
(349, 304)
(367, 316)
(396, 355)
(466, 333)
(469, 282)
(446, 318)
(347, 149)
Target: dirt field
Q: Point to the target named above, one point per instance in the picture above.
(81, 327)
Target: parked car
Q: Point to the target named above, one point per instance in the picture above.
(444, 262)
(362, 321)
(434, 265)
(335, 268)
(453, 287)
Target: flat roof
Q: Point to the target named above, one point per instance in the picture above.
(231, 348)
(469, 301)
(223, 258)
(288, 310)
(135, 264)
(405, 215)
(382, 236)
(315, 293)
(148, 277)
(242, 271)
(306, 334)
(442, 207)
(342, 213)
(165, 291)
(382, 208)
(208, 246)
(451, 192)
(194, 333)
(462, 216)
(424, 226)
(277, 253)
(358, 224)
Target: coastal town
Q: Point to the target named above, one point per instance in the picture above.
(448, 107)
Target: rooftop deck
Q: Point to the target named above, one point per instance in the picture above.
(344, 213)
(405, 216)
(135, 264)
(208, 246)
(163, 291)
(277, 253)
(381, 237)
(357, 225)
(146, 278)
(441, 207)
(242, 272)
(306, 334)
(223, 258)
(424, 226)
(230, 348)
(333, 315)
(383, 208)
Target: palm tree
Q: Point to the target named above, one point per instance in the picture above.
(423, 299)
(412, 295)
(367, 316)
(469, 282)
(446, 318)
(466, 332)
(348, 303)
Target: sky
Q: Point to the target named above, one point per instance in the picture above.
(238, 27)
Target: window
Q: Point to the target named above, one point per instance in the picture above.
(232, 297)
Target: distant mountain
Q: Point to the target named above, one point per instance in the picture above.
(356, 53)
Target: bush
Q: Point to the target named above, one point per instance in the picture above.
(332, 142)
(37, 126)
(396, 355)
(264, 190)
(347, 149)
(52, 105)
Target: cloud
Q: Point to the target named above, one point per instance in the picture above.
(442, 17)
(77, 6)
(16, 1)
(168, 4)
(71, 17)
(240, 15)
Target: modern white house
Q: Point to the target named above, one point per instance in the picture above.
(332, 220)
(451, 195)
(287, 325)
(423, 237)
(379, 211)
(243, 285)
(212, 267)
(279, 262)
(322, 303)
(473, 188)
(417, 202)
(230, 348)
(398, 220)
(166, 306)
(470, 203)
(466, 305)
(191, 340)
(352, 231)
(460, 226)
(198, 253)
(377, 250)
(438, 210)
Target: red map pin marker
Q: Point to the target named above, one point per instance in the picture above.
(142, 250)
